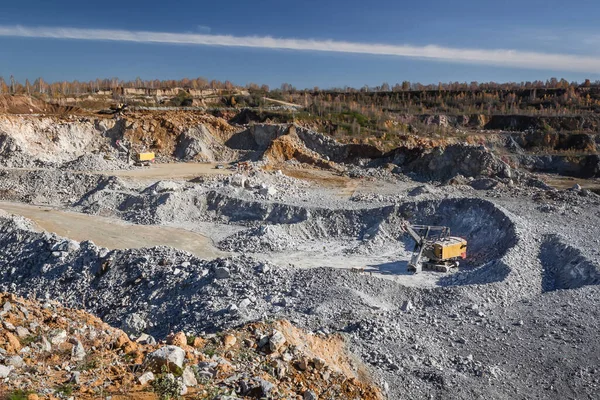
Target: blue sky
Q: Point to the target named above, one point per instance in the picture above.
(567, 31)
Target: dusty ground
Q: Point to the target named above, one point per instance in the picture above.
(174, 171)
(112, 233)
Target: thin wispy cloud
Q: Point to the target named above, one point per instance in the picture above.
(500, 57)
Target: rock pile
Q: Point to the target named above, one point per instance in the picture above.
(47, 351)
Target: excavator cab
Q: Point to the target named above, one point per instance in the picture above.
(144, 158)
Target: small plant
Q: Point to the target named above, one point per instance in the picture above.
(246, 354)
(65, 389)
(268, 368)
(128, 358)
(191, 339)
(211, 392)
(166, 387)
(210, 351)
(19, 395)
(27, 340)
(89, 363)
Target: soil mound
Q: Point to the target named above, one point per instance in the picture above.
(17, 104)
(289, 147)
(201, 144)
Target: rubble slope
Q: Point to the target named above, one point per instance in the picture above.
(47, 351)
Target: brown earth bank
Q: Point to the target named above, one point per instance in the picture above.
(19, 104)
(50, 352)
(531, 143)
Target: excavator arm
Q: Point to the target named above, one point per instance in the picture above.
(416, 237)
(415, 261)
(124, 146)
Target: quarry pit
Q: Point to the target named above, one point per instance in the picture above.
(242, 223)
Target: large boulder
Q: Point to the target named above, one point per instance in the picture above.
(134, 324)
(171, 357)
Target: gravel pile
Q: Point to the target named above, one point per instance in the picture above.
(95, 162)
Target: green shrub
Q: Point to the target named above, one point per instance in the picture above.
(65, 389)
(166, 386)
(18, 395)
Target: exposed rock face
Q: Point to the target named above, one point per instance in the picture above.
(585, 166)
(441, 164)
(15, 104)
(511, 123)
(200, 144)
(257, 137)
(330, 149)
(557, 123)
(543, 141)
(288, 147)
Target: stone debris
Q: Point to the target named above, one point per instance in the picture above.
(115, 366)
(5, 371)
(276, 341)
(146, 378)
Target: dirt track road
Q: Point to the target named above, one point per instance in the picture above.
(112, 233)
(169, 171)
(156, 172)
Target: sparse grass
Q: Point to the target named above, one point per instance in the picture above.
(89, 363)
(64, 389)
(268, 368)
(19, 395)
(210, 392)
(26, 341)
(165, 387)
(210, 350)
(246, 354)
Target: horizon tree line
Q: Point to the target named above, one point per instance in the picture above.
(75, 87)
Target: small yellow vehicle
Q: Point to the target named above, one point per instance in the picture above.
(434, 248)
(144, 159)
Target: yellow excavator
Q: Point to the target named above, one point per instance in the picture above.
(434, 248)
(138, 158)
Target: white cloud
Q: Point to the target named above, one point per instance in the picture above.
(505, 58)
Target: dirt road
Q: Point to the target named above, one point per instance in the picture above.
(112, 233)
(170, 171)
